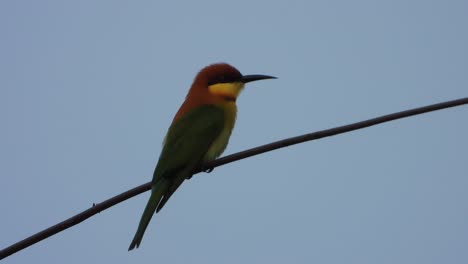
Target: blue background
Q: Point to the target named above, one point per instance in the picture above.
(88, 89)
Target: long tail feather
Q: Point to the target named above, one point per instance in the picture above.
(157, 193)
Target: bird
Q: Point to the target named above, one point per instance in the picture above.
(199, 133)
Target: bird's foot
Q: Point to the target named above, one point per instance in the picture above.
(204, 169)
(207, 169)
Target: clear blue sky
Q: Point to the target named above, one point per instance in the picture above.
(88, 89)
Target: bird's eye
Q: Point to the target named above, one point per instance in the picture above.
(218, 79)
(224, 78)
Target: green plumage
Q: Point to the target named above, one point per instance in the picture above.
(187, 142)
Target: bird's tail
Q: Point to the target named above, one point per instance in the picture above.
(157, 192)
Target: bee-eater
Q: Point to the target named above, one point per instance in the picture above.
(199, 133)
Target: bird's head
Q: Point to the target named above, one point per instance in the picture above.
(223, 81)
(216, 84)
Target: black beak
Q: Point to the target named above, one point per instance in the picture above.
(255, 77)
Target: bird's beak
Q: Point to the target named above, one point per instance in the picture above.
(255, 77)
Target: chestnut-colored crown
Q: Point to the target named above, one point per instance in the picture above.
(217, 73)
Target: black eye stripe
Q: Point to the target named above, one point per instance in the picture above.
(223, 79)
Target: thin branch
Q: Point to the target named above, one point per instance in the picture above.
(333, 131)
(74, 220)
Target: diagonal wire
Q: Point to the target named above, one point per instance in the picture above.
(97, 208)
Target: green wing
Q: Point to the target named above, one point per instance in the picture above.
(185, 146)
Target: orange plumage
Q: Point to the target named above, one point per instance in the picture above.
(199, 95)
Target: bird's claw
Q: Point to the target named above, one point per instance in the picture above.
(208, 170)
(204, 169)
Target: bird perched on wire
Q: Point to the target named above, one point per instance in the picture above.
(199, 133)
